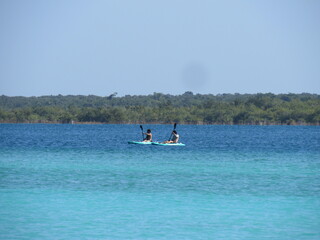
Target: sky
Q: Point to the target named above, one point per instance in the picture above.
(138, 47)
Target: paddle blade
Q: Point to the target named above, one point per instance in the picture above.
(174, 126)
(142, 132)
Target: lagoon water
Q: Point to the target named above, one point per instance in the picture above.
(228, 182)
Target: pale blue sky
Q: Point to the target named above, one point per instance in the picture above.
(139, 47)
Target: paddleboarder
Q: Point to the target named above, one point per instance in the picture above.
(175, 137)
(148, 137)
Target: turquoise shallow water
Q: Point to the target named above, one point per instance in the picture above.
(229, 182)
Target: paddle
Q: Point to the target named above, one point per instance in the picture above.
(142, 132)
(174, 128)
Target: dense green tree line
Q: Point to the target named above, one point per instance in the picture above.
(164, 108)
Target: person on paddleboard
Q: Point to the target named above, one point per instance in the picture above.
(148, 137)
(175, 137)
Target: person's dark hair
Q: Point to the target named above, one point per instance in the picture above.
(148, 131)
(174, 131)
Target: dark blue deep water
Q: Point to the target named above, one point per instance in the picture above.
(228, 182)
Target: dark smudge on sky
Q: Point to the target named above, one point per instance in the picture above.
(195, 76)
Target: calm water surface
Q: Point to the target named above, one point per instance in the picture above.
(229, 182)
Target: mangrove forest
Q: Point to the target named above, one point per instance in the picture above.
(187, 108)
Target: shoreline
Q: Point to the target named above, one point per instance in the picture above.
(160, 123)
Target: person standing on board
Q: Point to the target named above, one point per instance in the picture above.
(175, 137)
(148, 138)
